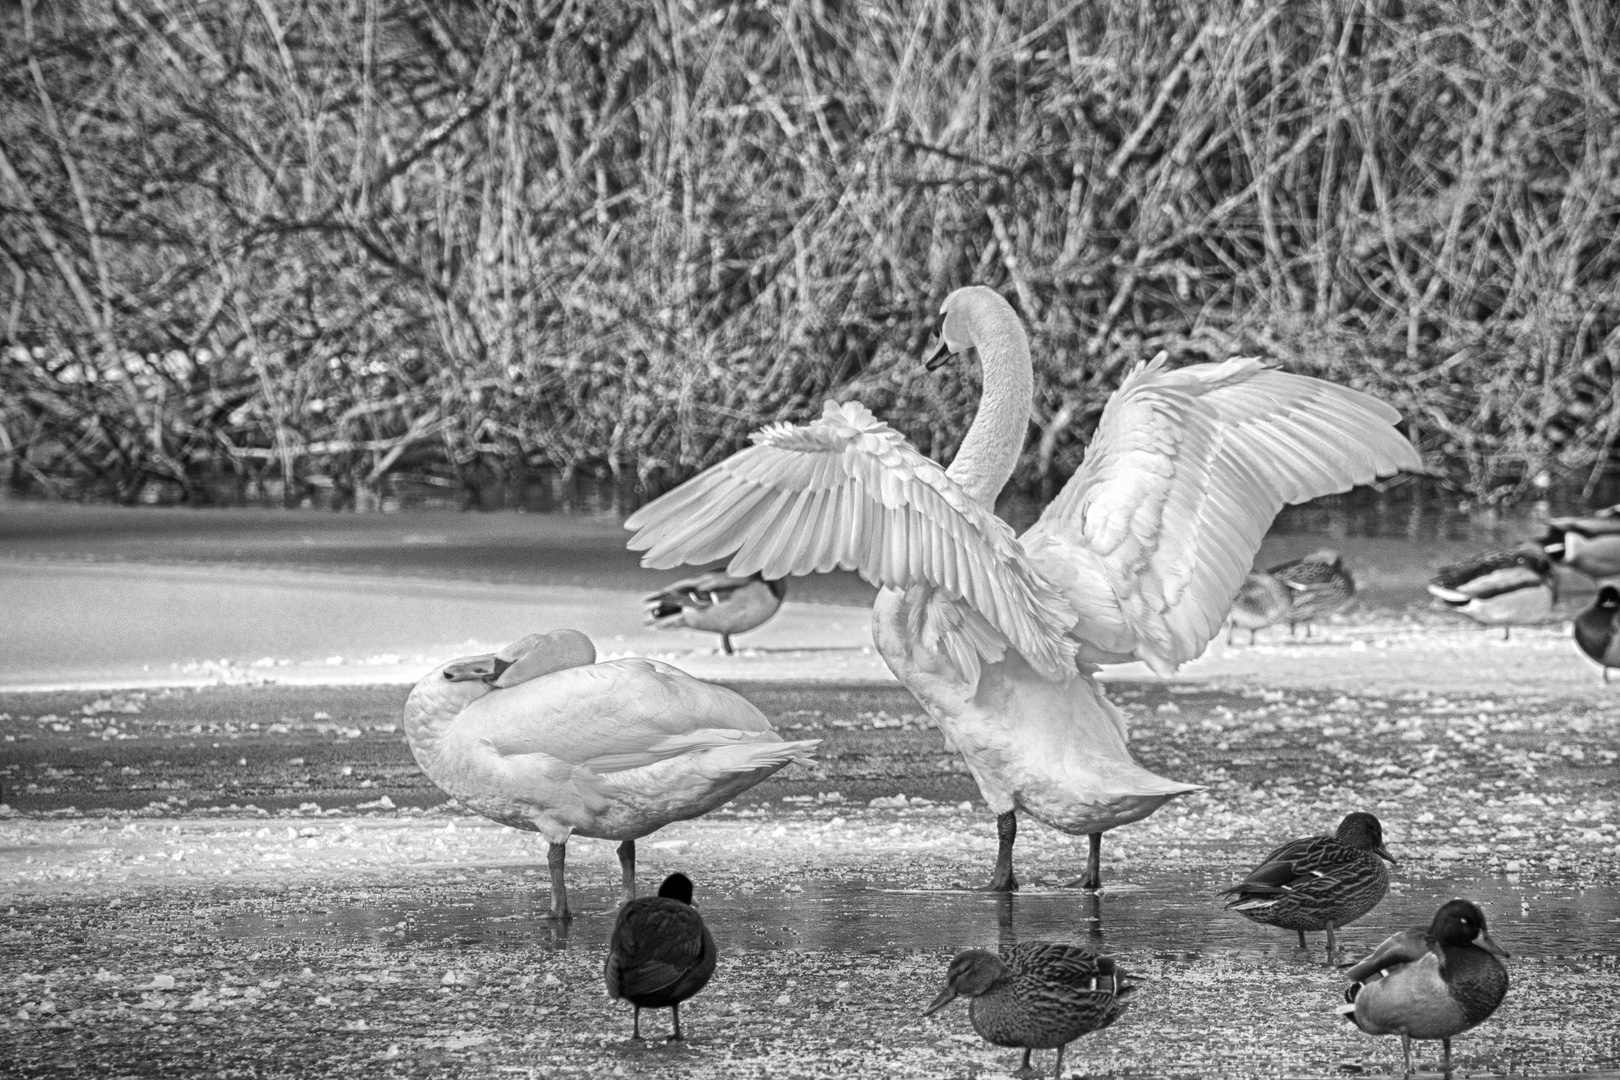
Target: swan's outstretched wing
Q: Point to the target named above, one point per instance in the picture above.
(1150, 540)
(848, 492)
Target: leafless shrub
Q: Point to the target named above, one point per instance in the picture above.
(308, 243)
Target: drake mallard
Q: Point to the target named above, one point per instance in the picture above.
(1597, 629)
(1589, 544)
(540, 736)
(1262, 601)
(1429, 984)
(716, 602)
(1318, 882)
(1038, 995)
(661, 953)
(1318, 585)
(1504, 587)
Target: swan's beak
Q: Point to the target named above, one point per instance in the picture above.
(937, 358)
(486, 668)
(1383, 853)
(946, 996)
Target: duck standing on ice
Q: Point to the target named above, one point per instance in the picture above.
(998, 636)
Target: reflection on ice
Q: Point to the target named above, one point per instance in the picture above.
(1172, 917)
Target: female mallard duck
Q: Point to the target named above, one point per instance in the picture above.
(1597, 629)
(1038, 995)
(1318, 882)
(1504, 587)
(716, 602)
(540, 737)
(1318, 585)
(1588, 544)
(1261, 601)
(1430, 984)
(661, 953)
(998, 636)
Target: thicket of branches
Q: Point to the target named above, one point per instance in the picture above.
(311, 243)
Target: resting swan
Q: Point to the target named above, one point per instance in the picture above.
(539, 736)
(998, 636)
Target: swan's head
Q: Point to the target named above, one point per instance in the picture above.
(526, 658)
(969, 317)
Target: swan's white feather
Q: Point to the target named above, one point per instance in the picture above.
(1150, 540)
(849, 492)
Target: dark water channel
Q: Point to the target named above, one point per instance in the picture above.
(1175, 917)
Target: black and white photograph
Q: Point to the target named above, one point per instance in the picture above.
(809, 539)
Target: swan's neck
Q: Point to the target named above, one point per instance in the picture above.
(990, 451)
(433, 706)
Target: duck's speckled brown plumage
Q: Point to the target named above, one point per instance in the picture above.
(1317, 881)
(1053, 995)
(1318, 585)
(1040, 995)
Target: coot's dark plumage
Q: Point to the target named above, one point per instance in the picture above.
(661, 953)
(1429, 984)
(1040, 995)
(1318, 882)
(1597, 629)
(1318, 585)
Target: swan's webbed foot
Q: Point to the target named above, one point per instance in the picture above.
(1091, 880)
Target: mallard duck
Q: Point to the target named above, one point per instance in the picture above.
(661, 953)
(1597, 629)
(539, 736)
(997, 636)
(1318, 585)
(1318, 882)
(1588, 544)
(716, 602)
(1429, 984)
(1504, 587)
(1038, 995)
(1261, 601)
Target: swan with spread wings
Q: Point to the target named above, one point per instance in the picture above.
(998, 636)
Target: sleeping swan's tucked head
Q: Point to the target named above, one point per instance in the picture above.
(526, 658)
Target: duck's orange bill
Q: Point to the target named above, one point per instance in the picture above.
(946, 996)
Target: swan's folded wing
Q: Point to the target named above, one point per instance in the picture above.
(848, 492)
(1150, 540)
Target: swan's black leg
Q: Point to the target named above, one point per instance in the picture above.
(635, 1028)
(627, 866)
(1002, 879)
(725, 643)
(1093, 878)
(555, 857)
(677, 1037)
